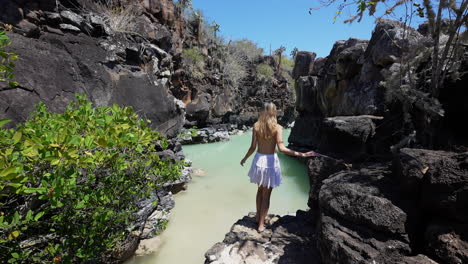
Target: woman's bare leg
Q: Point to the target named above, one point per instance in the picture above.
(266, 194)
(259, 203)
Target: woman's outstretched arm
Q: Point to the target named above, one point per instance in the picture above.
(253, 146)
(282, 148)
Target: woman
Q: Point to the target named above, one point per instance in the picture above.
(265, 170)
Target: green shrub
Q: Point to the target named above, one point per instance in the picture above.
(194, 63)
(246, 48)
(285, 62)
(69, 182)
(6, 61)
(264, 72)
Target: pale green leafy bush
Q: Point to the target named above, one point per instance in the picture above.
(194, 63)
(246, 48)
(69, 182)
(264, 72)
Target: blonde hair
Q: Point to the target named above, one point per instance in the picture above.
(267, 124)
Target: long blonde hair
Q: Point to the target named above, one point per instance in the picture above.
(267, 124)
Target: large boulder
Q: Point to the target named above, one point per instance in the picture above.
(391, 40)
(362, 218)
(320, 168)
(306, 132)
(199, 109)
(344, 137)
(439, 178)
(319, 63)
(438, 182)
(303, 63)
(347, 136)
(306, 88)
(341, 243)
(445, 187)
(349, 60)
(339, 87)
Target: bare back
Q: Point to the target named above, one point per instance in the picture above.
(268, 146)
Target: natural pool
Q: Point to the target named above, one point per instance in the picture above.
(218, 195)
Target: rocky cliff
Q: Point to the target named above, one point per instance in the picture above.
(384, 84)
(128, 53)
(393, 185)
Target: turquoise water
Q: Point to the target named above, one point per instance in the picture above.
(218, 195)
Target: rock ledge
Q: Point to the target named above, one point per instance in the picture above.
(286, 239)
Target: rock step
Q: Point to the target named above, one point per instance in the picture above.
(286, 239)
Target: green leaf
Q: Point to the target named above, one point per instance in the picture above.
(8, 171)
(38, 216)
(35, 190)
(73, 154)
(15, 255)
(89, 141)
(30, 152)
(80, 205)
(139, 148)
(4, 122)
(75, 140)
(17, 137)
(13, 84)
(102, 142)
(29, 216)
(13, 235)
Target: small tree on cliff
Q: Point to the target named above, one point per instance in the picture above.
(279, 53)
(215, 28)
(455, 11)
(183, 5)
(294, 52)
(199, 20)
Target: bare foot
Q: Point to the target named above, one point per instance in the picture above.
(260, 228)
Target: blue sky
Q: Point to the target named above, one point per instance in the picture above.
(280, 22)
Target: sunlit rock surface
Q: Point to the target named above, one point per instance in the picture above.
(287, 239)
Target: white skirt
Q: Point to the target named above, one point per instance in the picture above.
(265, 170)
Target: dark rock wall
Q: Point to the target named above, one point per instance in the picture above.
(388, 212)
(392, 204)
(64, 53)
(370, 78)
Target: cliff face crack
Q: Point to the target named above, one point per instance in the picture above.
(22, 88)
